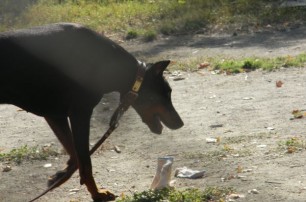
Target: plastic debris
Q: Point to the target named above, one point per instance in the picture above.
(162, 177)
(211, 140)
(177, 76)
(185, 172)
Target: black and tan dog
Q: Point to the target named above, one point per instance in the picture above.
(61, 71)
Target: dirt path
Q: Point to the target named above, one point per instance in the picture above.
(252, 114)
(263, 43)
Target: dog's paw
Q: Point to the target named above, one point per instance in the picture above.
(61, 176)
(54, 178)
(104, 195)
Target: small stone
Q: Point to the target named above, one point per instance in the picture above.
(74, 190)
(247, 170)
(216, 126)
(236, 196)
(248, 98)
(178, 78)
(241, 177)
(253, 191)
(117, 149)
(279, 84)
(48, 165)
(7, 168)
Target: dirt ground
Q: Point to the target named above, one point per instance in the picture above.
(247, 112)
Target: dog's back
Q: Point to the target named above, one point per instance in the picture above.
(63, 59)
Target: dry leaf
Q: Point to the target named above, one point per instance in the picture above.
(203, 65)
(279, 84)
(239, 169)
(291, 149)
(297, 114)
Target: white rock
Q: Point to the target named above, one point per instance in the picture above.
(261, 146)
(48, 165)
(211, 140)
(253, 191)
(236, 196)
(74, 190)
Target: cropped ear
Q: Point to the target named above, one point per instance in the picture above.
(159, 67)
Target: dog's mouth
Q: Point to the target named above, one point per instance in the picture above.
(155, 125)
(156, 121)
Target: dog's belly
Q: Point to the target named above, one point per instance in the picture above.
(40, 99)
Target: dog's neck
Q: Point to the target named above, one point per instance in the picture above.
(132, 93)
(141, 70)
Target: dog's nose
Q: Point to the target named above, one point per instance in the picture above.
(179, 123)
(175, 122)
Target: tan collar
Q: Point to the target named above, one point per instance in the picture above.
(129, 98)
(139, 76)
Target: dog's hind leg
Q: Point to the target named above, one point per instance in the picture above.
(80, 126)
(61, 129)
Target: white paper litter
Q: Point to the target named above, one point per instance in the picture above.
(185, 172)
(211, 140)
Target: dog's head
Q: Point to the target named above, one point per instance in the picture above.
(154, 103)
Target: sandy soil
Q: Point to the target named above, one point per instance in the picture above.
(253, 115)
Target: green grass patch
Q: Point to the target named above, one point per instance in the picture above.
(143, 16)
(292, 145)
(150, 35)
(108, 17)
(232, 66)
(132, 34)
(23, 153)
(172, 195)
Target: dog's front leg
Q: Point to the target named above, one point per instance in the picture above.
(61, 128)
(80, 125)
